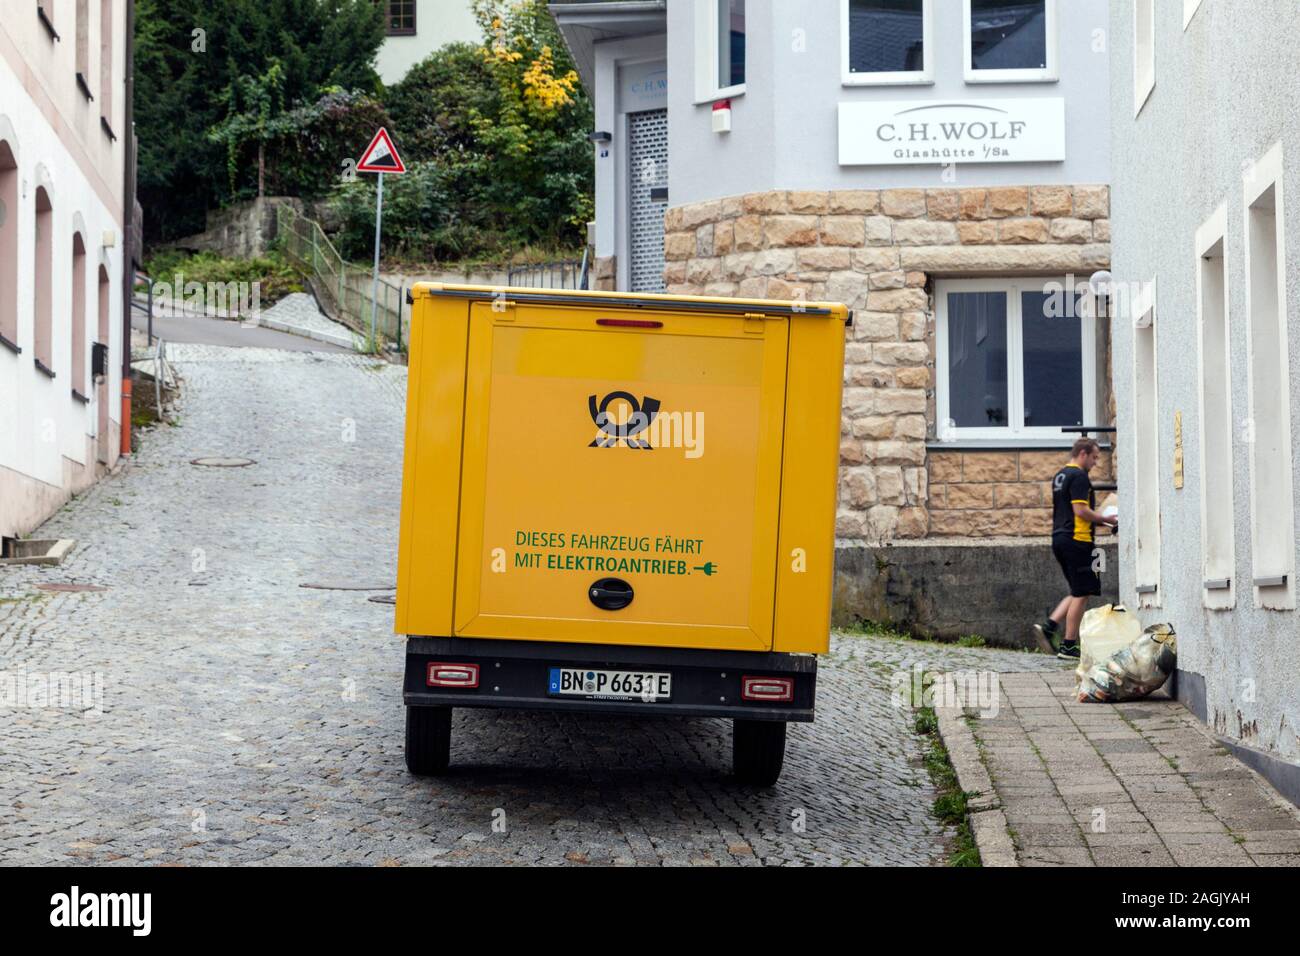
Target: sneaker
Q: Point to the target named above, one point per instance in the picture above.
(1068, 651)
(1048, 634)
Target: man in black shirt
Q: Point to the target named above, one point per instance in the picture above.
(1073, 517)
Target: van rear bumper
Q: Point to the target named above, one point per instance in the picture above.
(514, 674)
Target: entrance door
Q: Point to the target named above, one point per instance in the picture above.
(647, 199)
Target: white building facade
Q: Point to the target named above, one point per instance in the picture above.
(415, 28)
(1206, 152)
(63, 117)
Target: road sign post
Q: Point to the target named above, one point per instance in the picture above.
(374, 289)
(380, 157)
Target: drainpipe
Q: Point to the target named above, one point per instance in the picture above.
(128, 219)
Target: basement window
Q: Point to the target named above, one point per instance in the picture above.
(1268, 427)
(1215, 374)
(1146, 448)
(1015, 359)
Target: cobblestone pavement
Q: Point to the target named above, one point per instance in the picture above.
(245, 718)
(1137, 784)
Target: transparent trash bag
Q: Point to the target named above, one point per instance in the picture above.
(1134, 671)
(1103, 631)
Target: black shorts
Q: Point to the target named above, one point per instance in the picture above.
(1076, 559)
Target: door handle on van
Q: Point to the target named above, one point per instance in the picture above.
(610, 594)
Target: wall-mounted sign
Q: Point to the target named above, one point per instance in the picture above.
(643, 86)
(916, 132)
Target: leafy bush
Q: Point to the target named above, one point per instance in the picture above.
(496, 143)
(277, 276)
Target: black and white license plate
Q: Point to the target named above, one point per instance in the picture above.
(610, 685)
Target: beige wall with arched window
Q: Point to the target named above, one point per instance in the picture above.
(43, 275)
(8, 245)
(79, 317)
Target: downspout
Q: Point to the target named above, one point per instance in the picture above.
(128, 228)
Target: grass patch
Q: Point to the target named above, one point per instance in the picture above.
(876, 629)
(971, 640)
(275, 275)
(950, 806)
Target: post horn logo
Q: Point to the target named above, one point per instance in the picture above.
(612, 432)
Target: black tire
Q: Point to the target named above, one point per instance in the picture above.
(758, 751)
(428, 740)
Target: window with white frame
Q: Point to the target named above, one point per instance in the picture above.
(1268, 426)
(719, 49)
(1010, 41)
(1015, 358)
(1144, 52)
(886, 41)
(1146, 448)
(1215, 373)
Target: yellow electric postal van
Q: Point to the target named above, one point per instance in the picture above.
(618, 503)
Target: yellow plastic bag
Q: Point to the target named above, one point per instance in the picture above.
(1104, 631)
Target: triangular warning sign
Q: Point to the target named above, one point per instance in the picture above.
(381, 156)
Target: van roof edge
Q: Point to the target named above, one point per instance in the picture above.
(630, 300)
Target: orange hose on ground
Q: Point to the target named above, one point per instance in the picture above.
(126, 415)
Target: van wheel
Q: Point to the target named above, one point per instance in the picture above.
(757, 751)
(428, 740)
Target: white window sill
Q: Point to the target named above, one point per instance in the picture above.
(887, 79)
(1007, 444)
(1142, 100)
(1011, 76)
(729, 93)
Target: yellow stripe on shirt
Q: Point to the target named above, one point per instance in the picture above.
(1082, 529)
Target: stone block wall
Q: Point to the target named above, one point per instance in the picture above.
(988, 494)
(242, 231)
(948, 590)
(878, 251)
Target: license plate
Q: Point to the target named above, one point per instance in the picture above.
(610, 685)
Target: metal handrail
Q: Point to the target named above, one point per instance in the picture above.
(346, 289)
(543, 275)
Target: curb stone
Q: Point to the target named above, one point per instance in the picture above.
(988, 823)
(347, 341)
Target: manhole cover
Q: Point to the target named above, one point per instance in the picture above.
(73, 588)
(223, 462)
(348, 586)
(383, 598)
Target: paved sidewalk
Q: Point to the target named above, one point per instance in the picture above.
(1138, 784)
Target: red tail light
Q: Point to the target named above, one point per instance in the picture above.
(452, 675)
(767, 688)
(631, 323)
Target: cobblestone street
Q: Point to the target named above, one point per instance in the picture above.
(249, 717)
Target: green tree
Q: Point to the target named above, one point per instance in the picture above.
(495, 136)
(233, 67)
